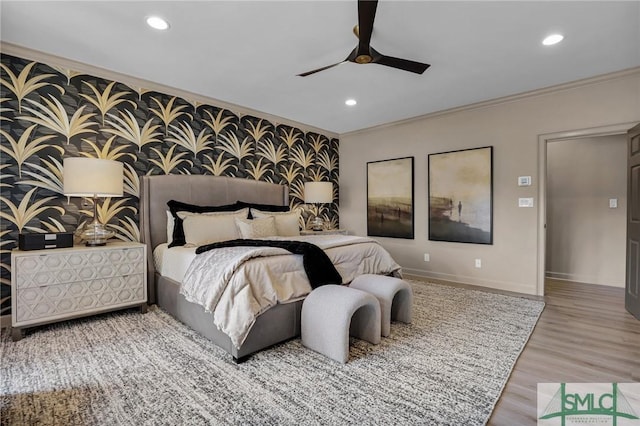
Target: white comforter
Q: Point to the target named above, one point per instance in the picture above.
(237, 284)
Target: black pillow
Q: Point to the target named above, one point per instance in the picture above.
(179, 206)
(262, 207)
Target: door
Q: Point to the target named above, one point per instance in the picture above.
(632, 286)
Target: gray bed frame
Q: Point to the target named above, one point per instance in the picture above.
(277, 324)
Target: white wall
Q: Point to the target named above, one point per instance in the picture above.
(586, 240)
(512, 128)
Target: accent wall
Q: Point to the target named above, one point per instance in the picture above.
(50, 112)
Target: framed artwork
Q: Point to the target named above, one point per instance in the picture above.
(390, 198)
(461, 196)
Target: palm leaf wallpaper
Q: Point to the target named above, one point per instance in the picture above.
(49, 113)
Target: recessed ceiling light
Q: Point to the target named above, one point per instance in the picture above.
(157, 22)
(350, 102)
(552, 39)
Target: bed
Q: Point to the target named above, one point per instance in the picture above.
(275, 324)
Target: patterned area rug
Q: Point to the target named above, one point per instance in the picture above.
(448, 368)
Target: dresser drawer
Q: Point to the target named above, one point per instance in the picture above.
(41, 270)
(59, 300)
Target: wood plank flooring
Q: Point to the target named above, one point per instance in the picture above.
(583, 335)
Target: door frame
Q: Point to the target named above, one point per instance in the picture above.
(543, 139)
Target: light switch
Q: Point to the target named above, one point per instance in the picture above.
(524, 180)
(525, 202)
(613, 203)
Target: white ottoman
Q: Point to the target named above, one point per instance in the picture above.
(331, 313)
(395, 297)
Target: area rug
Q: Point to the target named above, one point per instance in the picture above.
(446, 368)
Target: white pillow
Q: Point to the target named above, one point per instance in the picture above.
(211, 227)
(170, 225)
(257, 228)
(287, 223)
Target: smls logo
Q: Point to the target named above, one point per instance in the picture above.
(588, 403)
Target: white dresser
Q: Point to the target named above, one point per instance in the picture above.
(58, 284)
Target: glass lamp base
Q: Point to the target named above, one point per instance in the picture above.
(317, 224)
(95, 234)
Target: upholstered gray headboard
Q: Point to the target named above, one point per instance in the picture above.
(194, 189)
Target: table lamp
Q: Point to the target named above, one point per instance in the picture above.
(93, 177)
(318, 193)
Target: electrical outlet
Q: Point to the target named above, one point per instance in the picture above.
(478, 263)
(427, 257)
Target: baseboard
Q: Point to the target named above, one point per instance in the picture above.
(473, 287)
(587, 279)
(5, 321)
(511, 287)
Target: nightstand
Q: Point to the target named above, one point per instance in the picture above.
(58, 284)
(325, 232)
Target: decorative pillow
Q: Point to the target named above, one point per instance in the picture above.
(287, 223)
(206, 228)
(177, 237)
(262, 207)
(257, 228)
(170, 225)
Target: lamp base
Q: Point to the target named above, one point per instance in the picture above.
(95, 234)
(317, 224)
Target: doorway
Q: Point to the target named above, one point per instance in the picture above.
(587, 210)
(543, 145)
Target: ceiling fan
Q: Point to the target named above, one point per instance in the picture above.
(364, 53)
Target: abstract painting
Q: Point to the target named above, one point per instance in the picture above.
(390, 198)
(461, 196)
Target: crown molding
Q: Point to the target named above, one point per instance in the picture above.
(193, 98)
(506, 99)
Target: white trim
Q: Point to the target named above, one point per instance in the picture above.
(542, 215)
(193, 98)
(614, 129)
(584, 279)
(506, 99)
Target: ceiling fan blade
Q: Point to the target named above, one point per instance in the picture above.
(366, 16)
(402, 64)
(304, 74)
(364, 53)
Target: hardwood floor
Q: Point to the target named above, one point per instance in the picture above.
(584, 335)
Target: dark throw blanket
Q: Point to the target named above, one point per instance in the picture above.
(317, 264)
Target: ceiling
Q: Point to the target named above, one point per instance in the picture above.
(248, 53)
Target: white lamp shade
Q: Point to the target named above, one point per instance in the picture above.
(88, 177)
(318, 192)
